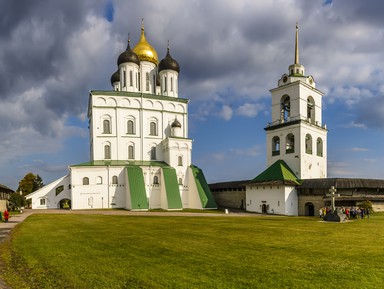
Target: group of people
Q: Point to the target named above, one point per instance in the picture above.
(6, 216)
(351, 213)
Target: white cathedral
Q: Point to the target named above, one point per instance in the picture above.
(140, 153)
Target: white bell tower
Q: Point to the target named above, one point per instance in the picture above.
(297, 134)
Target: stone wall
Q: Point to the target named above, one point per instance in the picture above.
(233, 199)
(317, 202)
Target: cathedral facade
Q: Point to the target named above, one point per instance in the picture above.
(140, 153)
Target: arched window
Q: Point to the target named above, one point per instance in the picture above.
(275, 146)
(85, 181)
(179, 160)
(131, 152)
(285, 108)
(147, 81)
(155, 180)
(153, 153)
(106, 126)
(130, 127)
(115, 180)
(319, 144)
(180, 181)
(290, 144)
(171, 83)
(310, 109)
(107, 152)
(152, 128)
(308, 144)
(165, 83)
(99, 180)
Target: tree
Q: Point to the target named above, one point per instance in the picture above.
(16, 200)
(30, 183)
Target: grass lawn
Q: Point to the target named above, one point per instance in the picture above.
(106, 251)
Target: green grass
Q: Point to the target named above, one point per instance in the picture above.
(106, 251)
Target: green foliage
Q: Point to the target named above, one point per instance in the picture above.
(367, 205)
(16, 201)
(30, 183)
(117, 251)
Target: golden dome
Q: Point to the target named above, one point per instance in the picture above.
(144, 50)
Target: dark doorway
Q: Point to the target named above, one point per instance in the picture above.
(264, 208)
(65, 204)
(309, 209)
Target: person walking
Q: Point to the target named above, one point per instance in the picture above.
(6, 215)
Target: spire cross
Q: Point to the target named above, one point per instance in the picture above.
(142, 24)
(333, 195)
(297, 44)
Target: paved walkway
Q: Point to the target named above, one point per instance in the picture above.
(5, 228)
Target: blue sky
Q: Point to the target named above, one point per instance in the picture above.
(230, 53)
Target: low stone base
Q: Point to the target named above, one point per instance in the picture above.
(334, 216)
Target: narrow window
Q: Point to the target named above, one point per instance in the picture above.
(319, 143)
(147, 81)
(308, 144)
(130, 127)
(165, 83)
(42, 202)
(106, 126)
(154, 84)
(99, 180)
(85, 181)
(139, 81)
(130, 78)
(115, 180)
(155, 180)
(275, 146)
(152, 128)
(153, 153)
(179, 160)
(107, 152)
(124, 78)
(171, 83)
(180, 181)
(131, 152)
(59, 190)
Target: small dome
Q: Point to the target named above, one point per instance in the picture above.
(169, 63)
(144, 50)
(176, 123)
(128, 56)
(115, 77)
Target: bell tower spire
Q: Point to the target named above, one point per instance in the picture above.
(297, 44)
(296, 68)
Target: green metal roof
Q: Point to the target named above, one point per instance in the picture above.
(137, 188)
(206, 198)
(277, 173)
(138, 94)
(121, 163)
(172, 189)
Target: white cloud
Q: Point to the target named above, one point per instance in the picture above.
(225, 112)
(250, 109)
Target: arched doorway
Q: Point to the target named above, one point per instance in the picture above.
(64, 204)
(264, 208)
(309, 209)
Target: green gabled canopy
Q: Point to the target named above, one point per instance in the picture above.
(277, 173)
